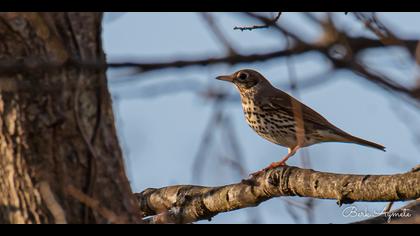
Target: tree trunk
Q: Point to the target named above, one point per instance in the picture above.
(60, 160)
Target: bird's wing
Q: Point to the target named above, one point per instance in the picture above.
(282, 102)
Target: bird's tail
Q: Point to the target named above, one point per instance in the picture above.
(345, 137)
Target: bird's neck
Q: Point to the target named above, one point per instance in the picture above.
(247, 97)
(248, 94)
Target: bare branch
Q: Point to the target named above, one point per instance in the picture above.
(285, 32)
(376, 27)
(388, 207)
(186, 203)
(218, 33)
(208, 137)
(266, 25)
(379, 79)
(357, 44)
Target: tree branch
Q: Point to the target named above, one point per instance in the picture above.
(267, 23)
(357, 45)
(208, 19)
(187, 203)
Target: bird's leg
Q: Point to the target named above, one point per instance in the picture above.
(291, 152)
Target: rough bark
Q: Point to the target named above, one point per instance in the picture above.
(186, 203)
(58, 145)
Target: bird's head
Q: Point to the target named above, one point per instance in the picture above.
(245, 79)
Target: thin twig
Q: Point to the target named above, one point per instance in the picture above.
(388, 207)
(376, 27)
(233, 141)
(218, 33)
(266, 25)
(207, 139)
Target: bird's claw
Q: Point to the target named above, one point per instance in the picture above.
(271, 166)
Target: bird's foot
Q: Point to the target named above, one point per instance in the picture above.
(271, 166)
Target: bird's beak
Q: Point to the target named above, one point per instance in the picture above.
(228, 78)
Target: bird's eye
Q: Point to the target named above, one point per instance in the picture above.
(242, 76)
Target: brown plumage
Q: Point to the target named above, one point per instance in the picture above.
(282, 119)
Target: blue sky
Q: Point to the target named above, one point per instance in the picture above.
(160, 132)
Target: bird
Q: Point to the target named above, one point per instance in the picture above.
(282, 119)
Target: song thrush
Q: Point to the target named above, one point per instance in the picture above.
(282, 119)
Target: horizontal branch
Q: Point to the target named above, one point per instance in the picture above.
(28, 64)
(187, 203)
(357, 44)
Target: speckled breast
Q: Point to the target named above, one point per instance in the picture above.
(277, 127)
